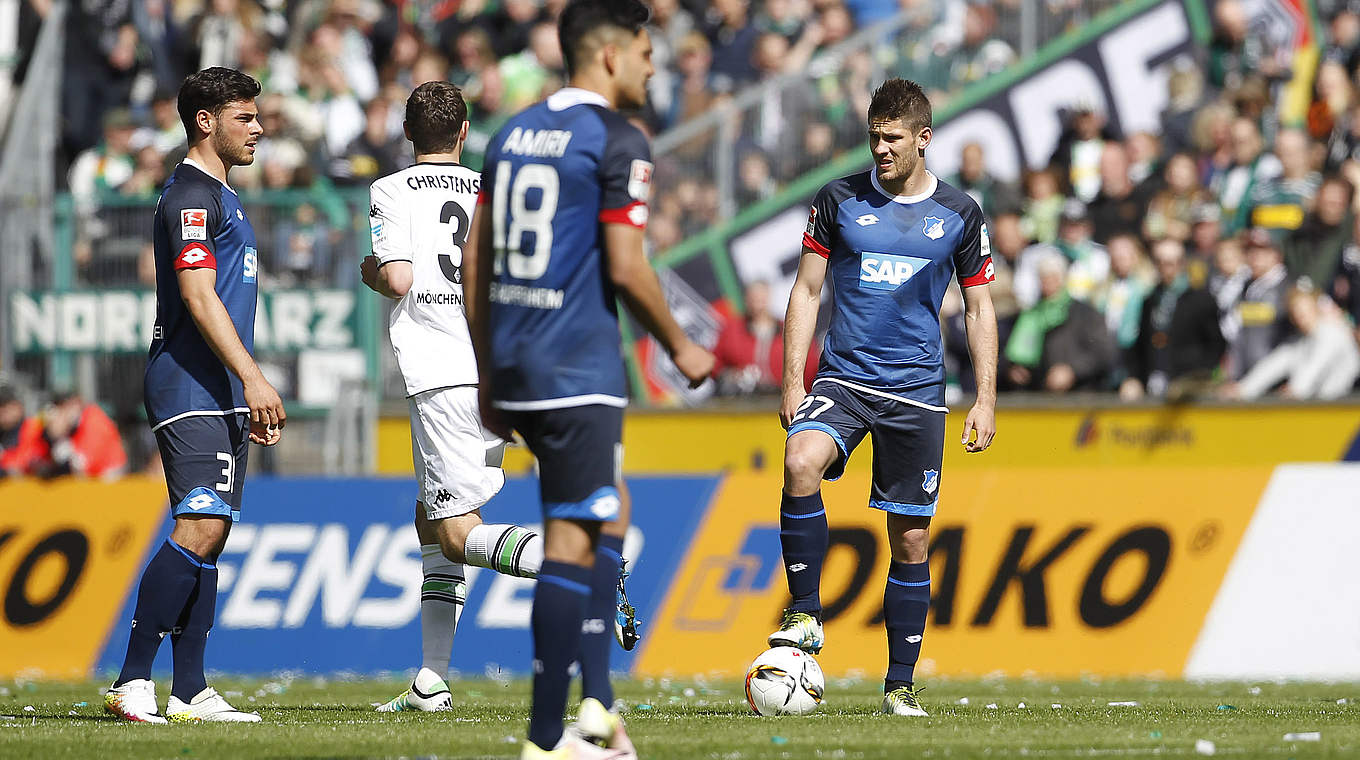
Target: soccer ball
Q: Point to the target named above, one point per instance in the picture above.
(784, 681)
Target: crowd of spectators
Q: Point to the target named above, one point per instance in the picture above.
(1219, 259)
(68, 436)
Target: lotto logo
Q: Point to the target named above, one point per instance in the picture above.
(195, 255)
(193, 224)
(200, 502)
(885, 271)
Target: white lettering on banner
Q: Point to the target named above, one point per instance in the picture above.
(1139, 91)
(328, 571)
(981, 126)
(302, 319)
(1038, 101)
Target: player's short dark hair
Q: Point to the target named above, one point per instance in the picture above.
(583, 17)
(435, 113)
(901, 99)
(211, 90)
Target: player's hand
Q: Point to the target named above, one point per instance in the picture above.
(267, 416)
(368, 271)
(788, 405)
(981, 420)
(695, 362)
(491, 416)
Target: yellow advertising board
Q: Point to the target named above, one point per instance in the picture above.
(1056, 570)
(65, 567)
(718, 441)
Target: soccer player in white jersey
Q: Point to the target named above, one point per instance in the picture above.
(419, 222)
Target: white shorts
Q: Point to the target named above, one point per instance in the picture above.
(457, 461)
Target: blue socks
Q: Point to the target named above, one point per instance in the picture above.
(192, 637)
(803, 536)
(906, 600)
(597, 633)
(559, 606)
(166, 585)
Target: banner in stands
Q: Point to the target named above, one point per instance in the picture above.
(1058, 571)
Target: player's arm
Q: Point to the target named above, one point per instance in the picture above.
(387, 271)
(640, 289)
(197, 287)
(800, 321)
(979, 320)
(477, 263)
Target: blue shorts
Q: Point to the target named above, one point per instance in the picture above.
(579, 451)
(205, 463)
(908, 443)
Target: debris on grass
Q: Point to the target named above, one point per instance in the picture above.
(1304, 736)
(1056, 706)
(1020, 706)
(991, 706)
(1204, 747)
(1255, 691)
(1225, 708)
(778, 740)
(1122, 704)
(29, 708)
(1343, 701)
(81, 704)
(963, 700)
(1155, 735)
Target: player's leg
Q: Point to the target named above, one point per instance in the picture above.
(828, 426)
(908, 448)
(575, 449)
(191, 699)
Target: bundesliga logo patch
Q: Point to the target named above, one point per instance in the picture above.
(640, 179)
(193, 224)
(812, 221)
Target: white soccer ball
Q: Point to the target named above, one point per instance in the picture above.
(784, 681)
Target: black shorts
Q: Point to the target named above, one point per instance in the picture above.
(204, 457)
(908, 443)
(579, 451)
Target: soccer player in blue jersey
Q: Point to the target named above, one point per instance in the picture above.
(890, 239)
(206, 399)
(559, 232)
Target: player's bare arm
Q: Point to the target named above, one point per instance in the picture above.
(980, 325)
(637, 283)
(478, 259)
(800, 320)
(392, 279)
(267, 416)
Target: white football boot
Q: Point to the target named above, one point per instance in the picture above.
(801, 630)
(572, 747)
(903, 701)
(428, 693)
(207, 707)
(601, 726)
(134, 701)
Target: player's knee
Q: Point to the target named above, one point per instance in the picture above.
(453, 533)
(804, 464)
(204, 536)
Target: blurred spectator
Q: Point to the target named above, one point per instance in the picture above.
(750, 348)
(1121, 299)
(1118, 207)
(1205, 231)
(1171, 213)
(510, 26)
(77, 438)
(534, 73)
(1043, 205)
(1227, 280)
(1088, 263)
(375, 153)
(100, 65)
(729, 28)
(1144, 152)
(1323, 362)
(975, 56)
(669, 25)
(1185, 96)
(755, 182)
(1179, 341)
(1008, 242)
(1060, 344)
(1330, 114)
(1312, 253)
(1251, 168)
(1258, 314)
(105, 167)
(991, 194)
(1278, 205)
(1234, 52)
(16, 443)
(695, 89)
(1081, 148)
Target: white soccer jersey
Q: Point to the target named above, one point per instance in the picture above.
(422, 215)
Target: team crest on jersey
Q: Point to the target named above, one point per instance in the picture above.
(640, 180)
(933, 227)
(930, 480)
(193, 224)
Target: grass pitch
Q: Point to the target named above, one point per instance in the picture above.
(686, 719)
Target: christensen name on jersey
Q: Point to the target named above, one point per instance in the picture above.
(422, 215)
(890, 260)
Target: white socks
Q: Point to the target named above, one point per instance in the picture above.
(507, 549)
(442, 595)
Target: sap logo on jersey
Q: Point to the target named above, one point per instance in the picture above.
(885, 271)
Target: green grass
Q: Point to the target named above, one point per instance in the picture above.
(688, 719)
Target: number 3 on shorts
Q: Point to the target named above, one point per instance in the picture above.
(805, 410)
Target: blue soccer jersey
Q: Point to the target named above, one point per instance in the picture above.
(890, 259)
(553, 175)
(199, 224)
